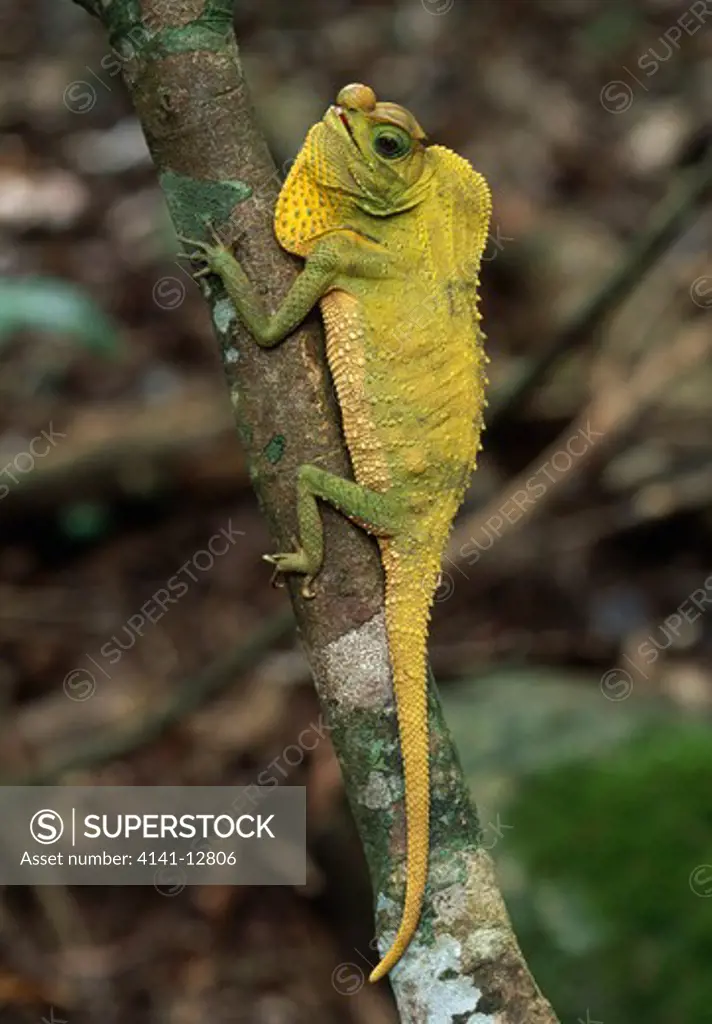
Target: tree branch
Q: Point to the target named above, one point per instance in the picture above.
(183, 72)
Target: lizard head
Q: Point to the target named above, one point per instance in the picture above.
(377, 148)
(363, 155)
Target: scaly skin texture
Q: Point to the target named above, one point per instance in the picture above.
(392, 232)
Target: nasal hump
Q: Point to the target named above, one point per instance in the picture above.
(357, 97)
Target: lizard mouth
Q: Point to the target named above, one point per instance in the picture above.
(339, 111)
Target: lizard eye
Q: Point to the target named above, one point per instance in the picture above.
(390, 142)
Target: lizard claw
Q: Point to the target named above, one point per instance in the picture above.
(275, 579)
(198, 251)
(217, 240)
(201, 271)
(194, 243)
(294, 561)
(208, 252)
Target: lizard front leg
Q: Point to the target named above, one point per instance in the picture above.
(339, 253)
(378, 513)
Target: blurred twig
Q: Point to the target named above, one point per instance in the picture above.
(188, 697)
(666, 223)
(65, 922)
(611, 411)
(130, 452)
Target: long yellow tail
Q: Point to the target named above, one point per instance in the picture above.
(409, 593)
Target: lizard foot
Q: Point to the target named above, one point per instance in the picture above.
(295, 561)
(211, 253)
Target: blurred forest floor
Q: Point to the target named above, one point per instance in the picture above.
(141, 468)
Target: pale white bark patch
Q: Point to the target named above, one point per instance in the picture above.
(378, 792)
(429, 982)
(485, 945)
(357, 667)
(224, 315)
(449, 903)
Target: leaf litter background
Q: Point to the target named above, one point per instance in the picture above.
(580, 706)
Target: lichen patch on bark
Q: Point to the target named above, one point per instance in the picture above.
(224, 316)
(433, 987)
(358, 668)
(377, 793)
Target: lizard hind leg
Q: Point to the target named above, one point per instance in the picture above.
(375, 512)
